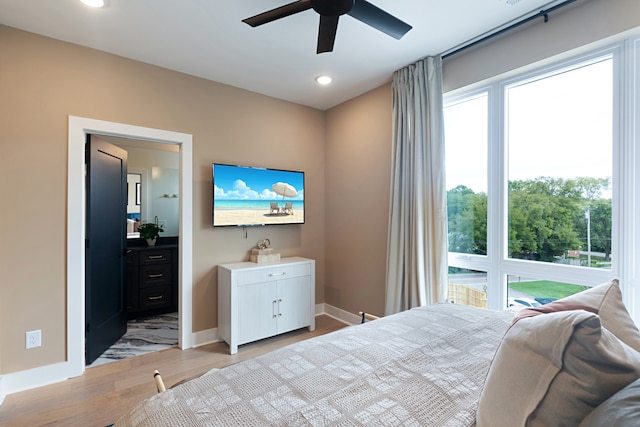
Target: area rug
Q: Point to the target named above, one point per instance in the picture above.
(144, 335)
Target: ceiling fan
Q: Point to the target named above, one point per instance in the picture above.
(330, 11)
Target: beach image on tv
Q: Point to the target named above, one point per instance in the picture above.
(254, 196)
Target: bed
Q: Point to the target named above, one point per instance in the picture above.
(440, 365)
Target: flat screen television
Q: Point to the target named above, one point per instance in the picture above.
(247, 196)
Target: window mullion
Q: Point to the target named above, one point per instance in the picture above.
(496, 232)
(626, 231)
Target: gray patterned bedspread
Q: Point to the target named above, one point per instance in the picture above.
(424, 366)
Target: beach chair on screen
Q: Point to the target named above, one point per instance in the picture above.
(274, 208)
(288, 208)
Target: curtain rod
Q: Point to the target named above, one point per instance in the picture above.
(542, 14)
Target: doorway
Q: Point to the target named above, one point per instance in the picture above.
(79, 128)
(152, 195)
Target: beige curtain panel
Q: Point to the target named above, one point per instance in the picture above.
(417, 244)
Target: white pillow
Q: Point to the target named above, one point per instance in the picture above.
(554, 369)
(606, 301)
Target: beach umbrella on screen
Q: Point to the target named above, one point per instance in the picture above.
(284, 189)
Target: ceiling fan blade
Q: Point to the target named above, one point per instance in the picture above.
(379, 19)
(279, 12)
(327, 33)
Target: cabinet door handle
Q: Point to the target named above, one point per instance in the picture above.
(277, 274)
(155, 298)
(155, 276)
(279, 301)
(273, 308)
(155, 256)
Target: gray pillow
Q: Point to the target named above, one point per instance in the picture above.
(620, 410)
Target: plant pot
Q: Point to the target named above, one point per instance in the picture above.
(151, 242)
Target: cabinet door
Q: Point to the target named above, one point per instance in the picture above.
(257, 311)
(132, 281)
(294, 303)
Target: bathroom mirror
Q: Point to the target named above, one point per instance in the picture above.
(152, 184)
(134, 204)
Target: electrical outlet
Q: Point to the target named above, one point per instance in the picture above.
(163, 223)
(34, 339)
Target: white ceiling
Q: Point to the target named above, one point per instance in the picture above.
(206, 38)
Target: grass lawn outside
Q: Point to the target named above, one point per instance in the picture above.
(547, 288)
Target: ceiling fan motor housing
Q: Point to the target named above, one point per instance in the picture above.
(332, 7)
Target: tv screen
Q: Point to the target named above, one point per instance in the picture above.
(244, 195)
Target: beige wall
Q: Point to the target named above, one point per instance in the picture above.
(358, 167)
(42, 82)
(358, 146)
(580, 23)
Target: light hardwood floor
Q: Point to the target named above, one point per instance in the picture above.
(104, 393)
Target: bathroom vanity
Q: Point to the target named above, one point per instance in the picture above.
(152, 280)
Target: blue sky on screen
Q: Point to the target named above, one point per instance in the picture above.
(245, 183)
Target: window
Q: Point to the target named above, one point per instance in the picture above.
(531, 193)
(558, 136)
(466, 174)
(468, 287)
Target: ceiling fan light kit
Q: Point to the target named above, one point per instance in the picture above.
(330, 11)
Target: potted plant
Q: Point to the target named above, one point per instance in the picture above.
(149, 231)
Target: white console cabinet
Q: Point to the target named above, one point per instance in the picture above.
(257, 301)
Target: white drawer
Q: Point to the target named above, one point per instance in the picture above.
(277, 272)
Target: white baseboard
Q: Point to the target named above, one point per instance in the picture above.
(50, 374)
(337, 313)
(32, 378)
(208, 336)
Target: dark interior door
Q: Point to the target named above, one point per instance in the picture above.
(106, 244)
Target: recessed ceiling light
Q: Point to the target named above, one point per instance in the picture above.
(323, 80)
(93, 3)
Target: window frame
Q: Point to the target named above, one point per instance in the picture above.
(497, 264)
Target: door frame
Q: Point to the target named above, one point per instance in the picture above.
(79, 128)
